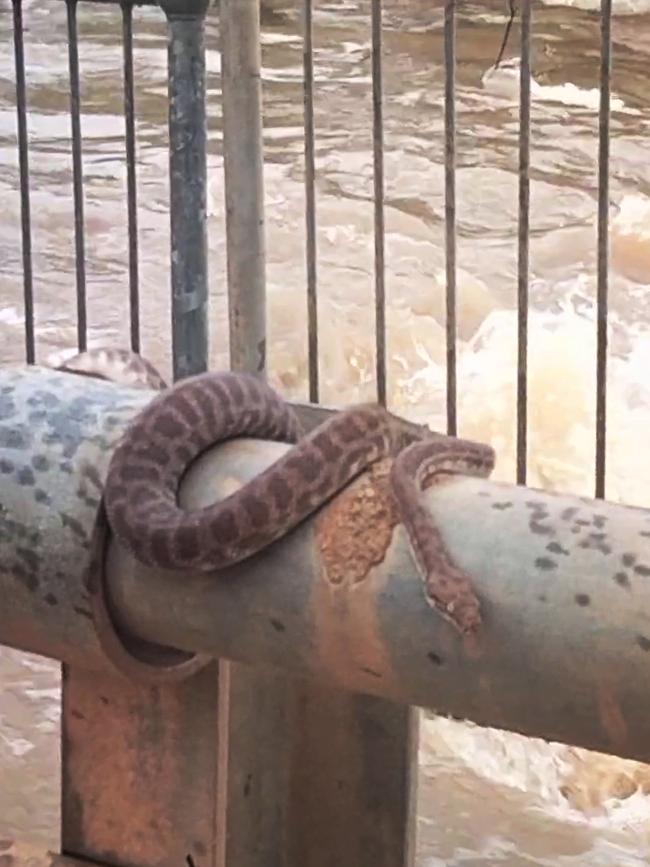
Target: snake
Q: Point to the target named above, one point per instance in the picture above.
(196, 413)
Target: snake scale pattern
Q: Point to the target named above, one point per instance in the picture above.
(149, 462)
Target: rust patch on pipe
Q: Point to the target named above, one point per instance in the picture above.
(353, 533)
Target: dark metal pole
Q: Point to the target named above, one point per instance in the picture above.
(310, 198)
(450, 213)
(131, 185)
(188, 177)
(77, 173)
(523, 243)
(603, 244)
(23, 160)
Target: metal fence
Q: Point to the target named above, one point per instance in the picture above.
(373, 736)
(243, 171)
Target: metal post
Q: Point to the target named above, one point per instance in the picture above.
(136, 757)
(188, 178)
(23, 161)
(77, 173)
(603, 243)
(523, 243)
(244, 183)
(131, 185)
(378, 172)
(450, 212)
(253, 703)
(299, 767)
(140, 758)
(310, 198)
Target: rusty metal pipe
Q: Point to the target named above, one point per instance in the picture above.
(564, 653)
(57, 432)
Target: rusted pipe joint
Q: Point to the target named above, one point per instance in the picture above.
(57, 433)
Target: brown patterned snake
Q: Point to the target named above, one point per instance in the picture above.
(148, 464)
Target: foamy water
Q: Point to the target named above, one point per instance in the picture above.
(619, 7)
(504, 80)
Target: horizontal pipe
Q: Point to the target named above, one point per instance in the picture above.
(564, 651)
(57, 432)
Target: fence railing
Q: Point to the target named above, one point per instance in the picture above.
(304, 756)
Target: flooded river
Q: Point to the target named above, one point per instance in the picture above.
(486, 797)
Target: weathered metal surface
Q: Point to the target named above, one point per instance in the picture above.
(145, 661)
(256, 755)
(140, 773)
(564, 583)
(303, 759)
(243, 175)
(56, 437)
(254, 716)
(277, 770)
(352, 784)
(278, 739)
(187, 184)
(57, 432)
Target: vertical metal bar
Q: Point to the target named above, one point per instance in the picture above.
(243, 157)
(450, 209)
(378, 161)
(310, 201)
(254, 745)
(523, 245)
(603, 244)
(188, 178)
(273, 746)
(77, 173)
(131, 186)
(23, 160)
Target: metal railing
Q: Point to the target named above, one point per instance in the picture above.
(242, 149)
(279, 799)
(187, 180)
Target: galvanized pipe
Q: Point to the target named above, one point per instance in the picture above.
(57, 432)
(564, 653)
